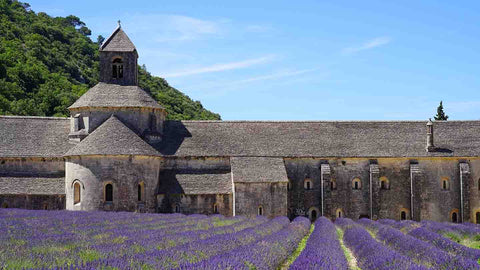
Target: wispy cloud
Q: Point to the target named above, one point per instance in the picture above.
(274, 76)
(221, 67)
(374, 43)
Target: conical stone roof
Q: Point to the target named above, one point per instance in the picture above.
(112, 138)
(114, 95)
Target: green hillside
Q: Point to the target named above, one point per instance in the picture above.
(46, 63)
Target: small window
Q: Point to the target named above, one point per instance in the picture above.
(478, 184)
(356, 183)
(76, 193)
(333, 184)
(215, 208)
(260, 211)
(445, 183)
(384, 183)
(117, 68)
(109, 192)
(141, 191)
(289, 185)
(307, 184)
(477, 217)
(339, 213)
(45, 206)
(153, 122)
(403, 215)
(177, 208)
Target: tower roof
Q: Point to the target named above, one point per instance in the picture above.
(118, 42)
(112, 138)
(114, 95)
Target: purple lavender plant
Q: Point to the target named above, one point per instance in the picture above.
(323, 250)
(445, 244)
(422, 251)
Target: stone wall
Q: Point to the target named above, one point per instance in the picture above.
(34, 202)
(129, 67)
(32, 167)
(139, 120)
(430, 200)
(272, 197)
(124, 173)
(195, 204)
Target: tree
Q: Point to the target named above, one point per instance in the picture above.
(100, 39)
(440, 113)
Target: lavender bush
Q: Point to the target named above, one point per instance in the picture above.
(371, 254)
(323, 249)
(423, 251)
(267, 253)
(445, 244)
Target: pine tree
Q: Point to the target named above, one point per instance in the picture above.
(440, 113)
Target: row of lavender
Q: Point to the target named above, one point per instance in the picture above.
(99, 240)
(388, 244)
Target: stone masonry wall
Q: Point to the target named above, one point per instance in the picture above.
(271, 196)
(125, 173)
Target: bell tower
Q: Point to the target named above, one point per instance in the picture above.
(118, 59)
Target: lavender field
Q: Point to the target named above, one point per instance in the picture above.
(109, 240)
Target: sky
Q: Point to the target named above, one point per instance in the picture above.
(303, 60)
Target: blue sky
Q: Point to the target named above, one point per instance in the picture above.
(304, 60)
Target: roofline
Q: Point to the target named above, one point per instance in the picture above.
(117, 107)
(319, 121)
(110, 155)
(34, 117)
(109, 38)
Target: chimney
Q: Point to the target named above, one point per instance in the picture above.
(430, 146)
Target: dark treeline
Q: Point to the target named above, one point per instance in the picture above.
(46, 63)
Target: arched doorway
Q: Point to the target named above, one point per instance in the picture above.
(454, 217)
(403, 215)
(313, 213)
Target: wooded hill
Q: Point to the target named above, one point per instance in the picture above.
(46, 63)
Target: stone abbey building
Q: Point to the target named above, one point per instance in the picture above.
(118, 152)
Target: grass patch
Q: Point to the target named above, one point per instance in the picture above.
(352, 261)
(18, 264)
(89, 255)
(469, 241)
(298, 251)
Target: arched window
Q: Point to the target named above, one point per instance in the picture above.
(356, 183)
(76, 193)
(445, 183)
(260, 210)
(117, 68)
(313, 213)
(177, 208)
(215, 208)
(339, 213)
(307, 184)
(384, 183)
(454, 216)
(108, 192)
(333, 184)
(289, 185)
(141, 192)
(45, 206)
